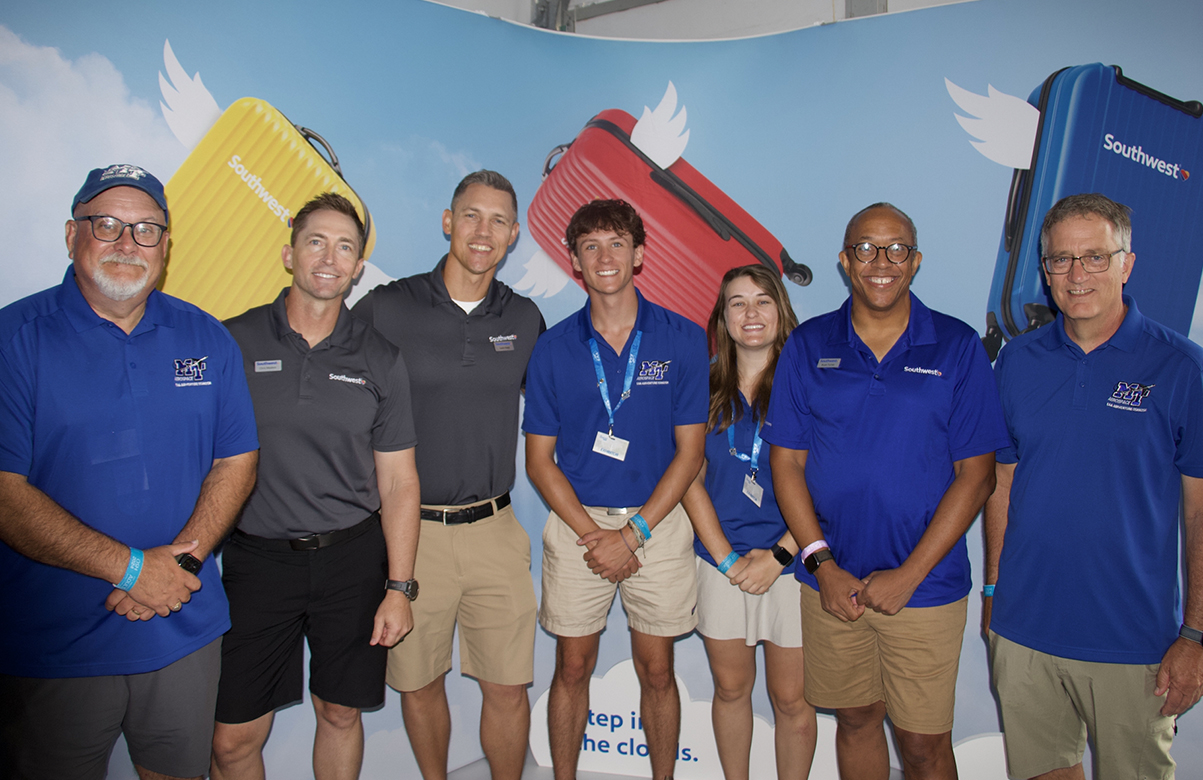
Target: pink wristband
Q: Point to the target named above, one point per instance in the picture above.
(813, 547)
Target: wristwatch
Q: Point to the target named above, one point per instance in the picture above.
(408, 587)
(1193, 634)
(815, 558)
(783, 556)
(189, 563)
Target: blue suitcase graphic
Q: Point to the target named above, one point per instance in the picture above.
(1102, 132)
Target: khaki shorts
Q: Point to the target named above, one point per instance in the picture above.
(726, 612)
(1049, 704)
(476, 574)
(908, 660)
(659, 599)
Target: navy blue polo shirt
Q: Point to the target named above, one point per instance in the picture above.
(670, 388)
(1089, 566)
(322, 412)
(746, 526)
(882, 438)
(120, 430)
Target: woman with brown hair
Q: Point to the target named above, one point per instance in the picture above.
(742, 543)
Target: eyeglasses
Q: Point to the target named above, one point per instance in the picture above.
(109, 229)
(1091, 264)
(896, 253)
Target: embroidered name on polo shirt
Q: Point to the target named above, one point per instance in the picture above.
(653, 372)
(353, 380)
(190, 372)
(267, 366)
(1130, 396)
(917, 370)
(503, 343)
(829, 363)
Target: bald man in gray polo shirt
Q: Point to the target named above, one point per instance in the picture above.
(466, 338)
(334, 518)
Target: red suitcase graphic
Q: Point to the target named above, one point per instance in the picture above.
(695, 233)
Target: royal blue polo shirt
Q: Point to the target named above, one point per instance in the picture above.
(121, 431)
(1089, 566)
(747, 526)
(882, 438)
(670, 388)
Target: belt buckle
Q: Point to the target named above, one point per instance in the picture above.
(616, 510)
(309, 542)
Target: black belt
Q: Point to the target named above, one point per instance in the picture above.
(313, 541)
(467, 515)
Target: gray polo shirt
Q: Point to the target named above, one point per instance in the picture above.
(321, 413)
(466, 373)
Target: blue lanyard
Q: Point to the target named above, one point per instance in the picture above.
(755, 458)
(626, 384)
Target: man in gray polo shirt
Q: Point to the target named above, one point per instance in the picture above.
(334, 516)
(466, 339)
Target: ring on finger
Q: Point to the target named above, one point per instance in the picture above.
(178, 606)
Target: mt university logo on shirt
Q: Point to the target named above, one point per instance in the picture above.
(653, 372)
(1130, 396)
(190, 372)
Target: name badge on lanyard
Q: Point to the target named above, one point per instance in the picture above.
(606, 442)
(753, 490)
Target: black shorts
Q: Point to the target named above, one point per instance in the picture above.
(279, 597)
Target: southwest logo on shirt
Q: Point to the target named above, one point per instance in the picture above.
(353, 380)
(1130, 396)
(917, 370)
(190, 372)
(653, 372)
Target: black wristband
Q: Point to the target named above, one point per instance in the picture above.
(1193, 634)
(783, 556)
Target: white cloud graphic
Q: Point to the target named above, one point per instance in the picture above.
(1004, 124)
(543, 278)
(614, 731)
(370, 277)
(59, 118)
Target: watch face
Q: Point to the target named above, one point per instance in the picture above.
(411, 590)
(189, 563)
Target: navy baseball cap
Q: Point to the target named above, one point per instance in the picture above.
(101, 179)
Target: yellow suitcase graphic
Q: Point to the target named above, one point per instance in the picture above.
(232, 202)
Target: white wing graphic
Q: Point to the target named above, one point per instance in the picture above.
(1005, 125)
(187, 106)
(543, 277)
(658, 133)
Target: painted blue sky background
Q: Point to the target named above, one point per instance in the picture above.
(801, 128)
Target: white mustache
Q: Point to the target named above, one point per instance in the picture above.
(120, 259)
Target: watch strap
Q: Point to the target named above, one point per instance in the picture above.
(409, 588)
(1193, 634)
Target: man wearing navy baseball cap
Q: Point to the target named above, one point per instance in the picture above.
(127, 447)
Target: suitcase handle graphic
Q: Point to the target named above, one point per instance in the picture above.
(332, 158)
(797, 273)
(1191, 107)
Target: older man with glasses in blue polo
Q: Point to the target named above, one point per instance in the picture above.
(1087, 631)
(127, 447)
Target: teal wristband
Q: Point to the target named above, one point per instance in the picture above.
(988, 591)
(132, 570)
(728, 562)
(641, 524)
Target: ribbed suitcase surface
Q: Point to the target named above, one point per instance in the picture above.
(231, 205)
(1102, 132)
(695, 232)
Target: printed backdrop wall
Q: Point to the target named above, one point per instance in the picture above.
(800, 129)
